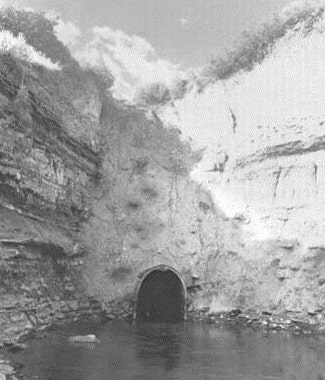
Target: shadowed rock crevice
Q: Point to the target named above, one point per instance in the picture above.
(161, 298)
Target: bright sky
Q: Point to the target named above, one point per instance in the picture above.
(148, 41)
(186, 32)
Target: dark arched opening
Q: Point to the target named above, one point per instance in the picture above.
(161, 297)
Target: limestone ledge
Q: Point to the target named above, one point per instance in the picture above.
(49, 152)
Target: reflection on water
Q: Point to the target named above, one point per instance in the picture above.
(173, 351)
(160, 343)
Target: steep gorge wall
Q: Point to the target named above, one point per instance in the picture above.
(46, 160)
(49, 161)
(225, 186)
(93, 193)
(262, 136)
(147, 211)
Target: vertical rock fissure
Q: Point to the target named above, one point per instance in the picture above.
(315, 177)
(234, 120)
(277, 179)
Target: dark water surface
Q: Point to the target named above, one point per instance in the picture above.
(185, 351)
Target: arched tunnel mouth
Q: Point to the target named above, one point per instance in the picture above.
(161, 298)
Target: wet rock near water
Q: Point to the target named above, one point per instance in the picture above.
(83, 339)
(265, 321)
(23, 318)
(18, 319)
(118, 310)
(7, 372)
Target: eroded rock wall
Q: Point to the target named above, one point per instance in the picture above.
(93, 193)
(225, 185)
(48, 154)
(147, 211)
(40, 284)
(49, 159)
(262, 136)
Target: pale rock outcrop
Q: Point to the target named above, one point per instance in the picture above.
(262, 134)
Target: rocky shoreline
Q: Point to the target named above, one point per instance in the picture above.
(28, 320)
(294, 323)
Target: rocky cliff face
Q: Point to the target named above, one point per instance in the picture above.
(49, 161)
(147, 211)
(262, 134)
(48, 148)
(224, 185)
(93, 193)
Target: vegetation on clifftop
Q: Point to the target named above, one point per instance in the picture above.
(19, 48)
(153, 94)
(248, 51)
(37, 31)
(31, 38)
(256, 44)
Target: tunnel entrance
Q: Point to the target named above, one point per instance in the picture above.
(161, 297)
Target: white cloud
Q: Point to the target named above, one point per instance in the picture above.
(67, 32)
(19, 4)
(300, 5)
(184, 21)
(131, 59)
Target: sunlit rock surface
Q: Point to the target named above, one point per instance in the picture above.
(262, 134)
(147, 211)
(84, 339)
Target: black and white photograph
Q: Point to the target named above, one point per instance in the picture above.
(162, 190)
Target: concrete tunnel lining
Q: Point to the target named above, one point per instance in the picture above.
(160, 295)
